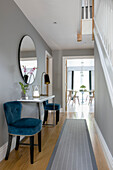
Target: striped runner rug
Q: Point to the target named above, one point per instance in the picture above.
(73, 150)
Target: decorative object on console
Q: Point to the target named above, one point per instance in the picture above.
(46, 81)
(36, 91)
(24, 88)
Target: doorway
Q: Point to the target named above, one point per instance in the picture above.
(78, 83)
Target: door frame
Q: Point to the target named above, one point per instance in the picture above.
(48, 57)
(64, 83)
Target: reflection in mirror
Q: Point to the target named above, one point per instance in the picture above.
(27, 59)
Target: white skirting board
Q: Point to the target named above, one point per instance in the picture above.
(3, 149)
(107, 153)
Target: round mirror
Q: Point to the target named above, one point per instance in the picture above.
(27, 59)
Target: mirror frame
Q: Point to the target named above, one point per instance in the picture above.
(20, 43)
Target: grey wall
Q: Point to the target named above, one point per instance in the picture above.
(103, 106)
(57, 68)
(13, 25)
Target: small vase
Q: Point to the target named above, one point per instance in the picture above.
(24, 95)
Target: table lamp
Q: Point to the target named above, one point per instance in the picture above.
(46, 81)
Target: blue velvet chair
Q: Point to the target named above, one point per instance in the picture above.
(21, 126)
(50, 106)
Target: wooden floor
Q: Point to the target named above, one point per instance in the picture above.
(20, 160)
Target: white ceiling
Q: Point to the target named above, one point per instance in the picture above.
(63, 35)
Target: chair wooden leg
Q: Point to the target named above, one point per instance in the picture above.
(46, 113)
(39, 141)
(45, 116)
(57, 116)
(17, 142)
(78, 101)
(32, 148)
(9, 146)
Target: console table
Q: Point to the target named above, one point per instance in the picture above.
(39, 100)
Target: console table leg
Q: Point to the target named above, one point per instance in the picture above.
(38, 111)
(53, 112)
